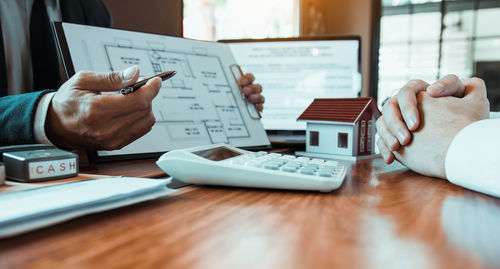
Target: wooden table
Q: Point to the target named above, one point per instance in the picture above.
(382, 217)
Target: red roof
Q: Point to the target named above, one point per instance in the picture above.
(338, 109)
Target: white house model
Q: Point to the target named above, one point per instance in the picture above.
(340, 127)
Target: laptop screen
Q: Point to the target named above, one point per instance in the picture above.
(294, 71)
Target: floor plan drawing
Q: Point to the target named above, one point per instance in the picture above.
(200, 105)
(197, 103)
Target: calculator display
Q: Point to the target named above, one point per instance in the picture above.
(217, 154)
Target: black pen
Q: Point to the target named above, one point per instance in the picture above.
(134, 87)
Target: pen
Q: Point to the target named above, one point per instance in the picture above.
(134, 87)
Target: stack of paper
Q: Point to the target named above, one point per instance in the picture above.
(27, 210)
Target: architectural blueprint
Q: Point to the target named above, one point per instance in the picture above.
(200, 105)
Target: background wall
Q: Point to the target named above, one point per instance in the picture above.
(153, 16)
(341, 17)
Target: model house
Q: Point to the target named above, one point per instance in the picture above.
(341, 126)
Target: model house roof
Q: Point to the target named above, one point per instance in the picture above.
(338, 109)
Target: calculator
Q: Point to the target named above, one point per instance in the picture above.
(222, 164)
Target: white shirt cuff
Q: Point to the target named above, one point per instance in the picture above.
(40, 115)
(473, 158)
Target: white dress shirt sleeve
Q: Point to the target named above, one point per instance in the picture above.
(40, 115)
(473, 158)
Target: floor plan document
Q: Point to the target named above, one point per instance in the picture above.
(200, 105)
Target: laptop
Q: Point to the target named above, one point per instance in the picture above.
(294, 71)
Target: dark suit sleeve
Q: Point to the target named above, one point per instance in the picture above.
(17, 115)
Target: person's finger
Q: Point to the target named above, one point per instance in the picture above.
(449, 85)
(385, 152)
(108, 81)
(252, 89)
(475, 89)
(385, 135)
(407, 102)
(136, 101)
(394, 121)
(246, 79)
(256, 99)
(260, 107)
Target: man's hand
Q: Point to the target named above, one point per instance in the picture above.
(253, 92)
(440, 120)
(400, 113)
(81, 117)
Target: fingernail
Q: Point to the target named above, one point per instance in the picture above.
(401, 135)
(130, 72)
(412, 120)
(437, 88)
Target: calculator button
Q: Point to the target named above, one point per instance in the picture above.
(332, 163)
(325, 174)
(271, 166)
(311, 166)
(317, 161)
(328, 166)
(289, 169)
(307, 172)
(292, 165)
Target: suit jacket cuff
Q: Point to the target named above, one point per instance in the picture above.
(40, 115)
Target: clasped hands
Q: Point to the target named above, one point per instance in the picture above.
(81, 117)
(418, 124)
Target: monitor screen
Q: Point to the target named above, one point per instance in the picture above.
(294, 71)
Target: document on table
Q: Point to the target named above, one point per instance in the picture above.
(31, 209)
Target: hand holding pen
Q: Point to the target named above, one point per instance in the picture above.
(134, 87)
(252, 92)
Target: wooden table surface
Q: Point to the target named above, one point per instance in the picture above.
(381, 217)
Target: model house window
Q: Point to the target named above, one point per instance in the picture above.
(362, 144)
(363, 124)
(342, 140)
(313, 138)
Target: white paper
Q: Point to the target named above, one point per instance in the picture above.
(200, 105)
(31, 209)
(293, 73)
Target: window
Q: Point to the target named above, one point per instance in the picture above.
(231, 19)
(313, 138)
(427, 39)
(342, 140)
(363, 124)
(362, 144)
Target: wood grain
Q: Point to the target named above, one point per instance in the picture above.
(382, 217)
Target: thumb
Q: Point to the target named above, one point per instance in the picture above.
(449, 85)
(475, 88)
(107, 81)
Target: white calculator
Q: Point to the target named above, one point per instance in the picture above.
(222, 164)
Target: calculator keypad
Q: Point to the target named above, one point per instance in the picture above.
(289, 164)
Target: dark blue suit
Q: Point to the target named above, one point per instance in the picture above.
(17, 112)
